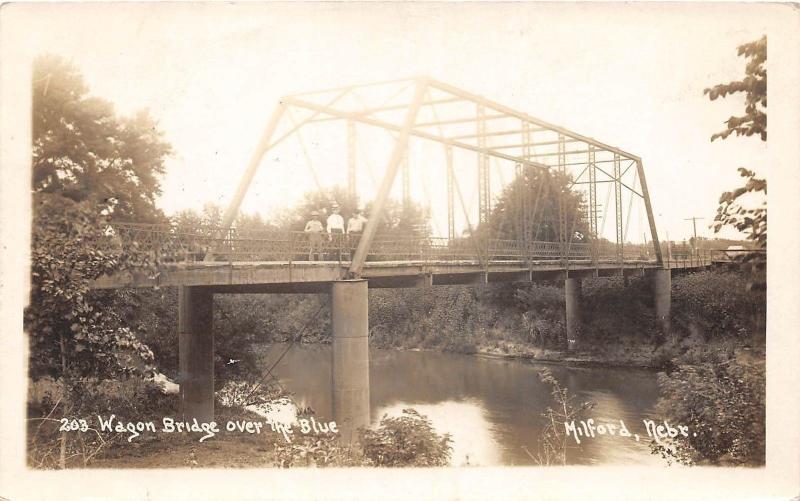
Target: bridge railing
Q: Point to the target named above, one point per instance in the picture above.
(171, 243)
(689, 259)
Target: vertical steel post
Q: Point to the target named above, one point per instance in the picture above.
(484, 197)
(593, 202)
(618, 210)
(388, 180)
(451, 213)
(519, 226)
(562, 206)
(351, 160)
(526, 155)
(406, 180)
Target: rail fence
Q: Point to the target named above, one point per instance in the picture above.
(173, 244)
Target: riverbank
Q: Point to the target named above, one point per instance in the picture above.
(714, 312)
(526, 354)
(711, 310)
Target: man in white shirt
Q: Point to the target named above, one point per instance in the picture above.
(314, 230)
(335, 226)
(355, 227)
(335, 221)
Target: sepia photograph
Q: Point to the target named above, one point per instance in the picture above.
(425, 238)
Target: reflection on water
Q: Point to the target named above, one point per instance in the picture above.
(492, 408)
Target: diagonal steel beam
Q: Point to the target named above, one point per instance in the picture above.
(650, 217)
(247, 178)
(310, 119)
(388, 180)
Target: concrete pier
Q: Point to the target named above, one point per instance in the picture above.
(662, 297)
(572, 294)
(196, 353)
(349, 312)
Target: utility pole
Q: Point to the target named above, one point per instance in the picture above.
(694, 226)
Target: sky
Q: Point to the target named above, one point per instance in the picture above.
(629, 75)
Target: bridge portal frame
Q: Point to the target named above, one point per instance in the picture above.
(489, 121)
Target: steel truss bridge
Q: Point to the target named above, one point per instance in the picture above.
(474, 133)
(462, 123)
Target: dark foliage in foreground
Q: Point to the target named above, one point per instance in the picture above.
(723, 403)
(407, 440)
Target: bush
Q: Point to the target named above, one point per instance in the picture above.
(717, 304)
(73, 330)
(320, 451)
(437, 317)
(153, 315)
(553, 441)
(723, 404)
(408, 440)
(129, 399)
(617, 311)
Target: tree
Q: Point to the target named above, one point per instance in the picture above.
(731, 210)
(537, 193)
(73, 330)
(84, 151)
(398, 218)
(88, 166)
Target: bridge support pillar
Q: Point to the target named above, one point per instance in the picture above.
(572, 294)
(662, 297)
(196, 353)
(349, 312)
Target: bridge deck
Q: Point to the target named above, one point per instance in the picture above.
(315, 276)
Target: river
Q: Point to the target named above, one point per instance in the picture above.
(491, 407)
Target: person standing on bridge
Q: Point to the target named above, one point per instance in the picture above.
(355, 227)
(336, 228)
(314, 230)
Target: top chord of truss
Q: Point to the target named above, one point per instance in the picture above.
(451, 116)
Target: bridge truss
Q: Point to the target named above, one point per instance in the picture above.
(434, 111)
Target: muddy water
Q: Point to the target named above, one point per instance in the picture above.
(492, 408)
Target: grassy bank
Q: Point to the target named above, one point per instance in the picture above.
(712, 311)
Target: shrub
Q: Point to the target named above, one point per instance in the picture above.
(320, 451)
(407, 440)
(553, 441)
(242, 394)
(717, 304)
(617, 311)
(73, 330)
(723, 404)
(153, 315)
(129, 399)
